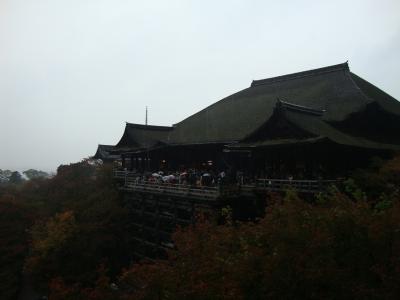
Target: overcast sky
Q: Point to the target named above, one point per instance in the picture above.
(73, 71)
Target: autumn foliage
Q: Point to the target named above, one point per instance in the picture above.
(89, 227)
(63, 229)
(343, 245)
(338, 249)
(72, 235)
(15, 219)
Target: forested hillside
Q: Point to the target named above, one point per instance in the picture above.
(71, 236)
(73, 224)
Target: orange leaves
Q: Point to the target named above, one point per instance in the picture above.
(48, 239)
(54, 234)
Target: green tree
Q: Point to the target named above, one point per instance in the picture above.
(32, 173)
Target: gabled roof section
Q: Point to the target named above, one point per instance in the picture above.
(103, 152)
(334, 90)
(138, 136)
(278, 127)
(312, 129)
(317, 126)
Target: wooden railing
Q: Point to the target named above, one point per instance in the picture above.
(306, 186)
(121, 174)
(133, 182)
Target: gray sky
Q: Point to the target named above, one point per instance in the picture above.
(73, 71)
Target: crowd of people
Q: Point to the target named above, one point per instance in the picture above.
(191, 177)
(209, 177)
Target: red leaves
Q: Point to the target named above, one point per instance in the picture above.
(60, 291)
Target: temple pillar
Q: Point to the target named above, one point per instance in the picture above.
(123, 161)
(131, 164)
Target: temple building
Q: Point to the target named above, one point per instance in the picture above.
(304, 131)
(320, 123)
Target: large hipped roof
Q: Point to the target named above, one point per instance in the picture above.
(333, 89)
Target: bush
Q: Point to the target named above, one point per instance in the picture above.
(379, 182)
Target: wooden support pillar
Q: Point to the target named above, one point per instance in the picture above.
(157, 225)
(123, 161)
(192, 212)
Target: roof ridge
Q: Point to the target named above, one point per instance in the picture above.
(148, 127)
(300, 108)
(328, 69)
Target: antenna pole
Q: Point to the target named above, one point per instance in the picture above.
(146, 116)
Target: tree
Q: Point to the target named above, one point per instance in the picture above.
(15, 219)
(15, 177)
(32, 173)
(84, 224)
(50, 242)
(336, 249)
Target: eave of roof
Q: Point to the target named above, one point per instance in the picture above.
(275, 143)
(143, 136)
